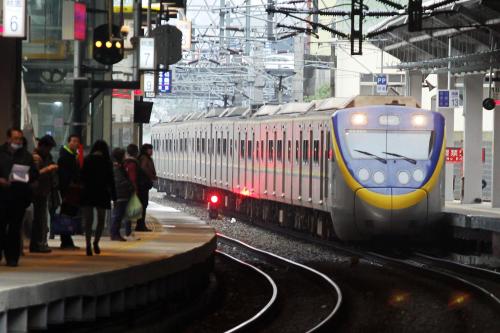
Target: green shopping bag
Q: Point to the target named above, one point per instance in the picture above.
(134, 208)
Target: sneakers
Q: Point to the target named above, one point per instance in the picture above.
(118, 239)
(132, 238)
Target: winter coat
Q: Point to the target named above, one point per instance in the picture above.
(19, 192)
(123, 185)
(148, 166)
(69, 170)
(98, 184)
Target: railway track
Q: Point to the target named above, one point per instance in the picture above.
(293, 284)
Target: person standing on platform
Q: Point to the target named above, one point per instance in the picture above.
(47, 168)
(98, 189)
(69, 183)
(17, 174)
(138, 178)
(124, 191)
(148, 167)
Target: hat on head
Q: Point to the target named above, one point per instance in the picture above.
(47, 140)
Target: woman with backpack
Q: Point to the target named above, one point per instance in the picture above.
(124, 191)
(97, 192)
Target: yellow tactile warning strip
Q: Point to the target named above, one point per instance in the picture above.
(177, 242)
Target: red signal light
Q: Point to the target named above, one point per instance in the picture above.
(214, 199)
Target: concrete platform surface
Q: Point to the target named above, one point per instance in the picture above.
(68, 285)
(473, 216)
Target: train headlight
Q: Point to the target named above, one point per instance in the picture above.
(363, 174)
(359, 119)
(379, 177)
(404, 177)
(419, 120)
(418, 175)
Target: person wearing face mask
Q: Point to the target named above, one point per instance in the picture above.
(17, 174)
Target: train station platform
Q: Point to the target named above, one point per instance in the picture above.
(68, 286)
(479, 222)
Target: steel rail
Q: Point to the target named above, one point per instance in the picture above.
(269, 304)
(293, 263)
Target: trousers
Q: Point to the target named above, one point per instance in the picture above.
(88, 220)
(11, 221)
(40, 226)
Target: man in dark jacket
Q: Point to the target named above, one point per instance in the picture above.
(46, 168)
(17, 173)
(69, 182)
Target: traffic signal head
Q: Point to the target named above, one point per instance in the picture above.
(105, 50)
(489, 103)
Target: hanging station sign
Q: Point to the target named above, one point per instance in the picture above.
(14, 18)
(146, 53)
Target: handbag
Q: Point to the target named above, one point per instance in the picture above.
(134, 208)
(66, 225)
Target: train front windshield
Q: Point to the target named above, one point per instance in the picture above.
(370, 144)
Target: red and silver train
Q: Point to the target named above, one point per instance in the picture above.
(353, 168)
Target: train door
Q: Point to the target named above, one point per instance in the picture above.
(288, 166)
(215, 159)
(317, 164)
(279, 163)
(307, 139)
(249, 181)
(264, 138)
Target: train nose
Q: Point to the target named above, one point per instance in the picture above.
(389, 212)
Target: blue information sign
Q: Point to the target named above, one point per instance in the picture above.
(444, 98)
(381, 83)
(165, 81)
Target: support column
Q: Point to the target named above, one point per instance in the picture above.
(449, 116)
(10, 84)
(495, 195)
(414, 85)
(473, 137)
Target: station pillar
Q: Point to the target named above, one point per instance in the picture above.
(414, 85)
(449, 116)
(10, 85)
(473, 137)
(495, 193)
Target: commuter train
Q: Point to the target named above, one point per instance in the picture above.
(352, 168)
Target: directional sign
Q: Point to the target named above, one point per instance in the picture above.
(165, 81)
(381, 84)
(448, 98)
(14, 18)
(147, 53)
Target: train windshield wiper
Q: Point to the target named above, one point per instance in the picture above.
(407, 159)
(378, 158)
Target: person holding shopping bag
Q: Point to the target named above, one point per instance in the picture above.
(98, 189)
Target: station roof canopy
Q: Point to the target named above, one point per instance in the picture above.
(472, 26)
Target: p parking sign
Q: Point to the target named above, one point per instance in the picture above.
(381, 84)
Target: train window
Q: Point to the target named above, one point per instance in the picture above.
(329, 153)
(250, 150)
(242, 148)
(203, 145)
(231, 147)
(289, 151)
(270, 149)
(218, 146)
(224, 147)
(297, 149)
(257, 150)
(186, 144)
(262, 149)
(197, 145)
(305, 151)
(316, 151)
(279, 150)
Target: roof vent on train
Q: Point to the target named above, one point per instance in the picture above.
(238, 111)
(267, 110)
(214, 112)
(296, 108)
(332, 103)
